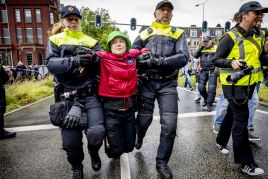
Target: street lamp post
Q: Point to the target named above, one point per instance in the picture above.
(203, 17)
(202, 4)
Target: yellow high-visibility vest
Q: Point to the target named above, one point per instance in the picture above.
(247, 50)
(69, 37)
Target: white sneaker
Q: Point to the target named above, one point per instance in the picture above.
(252, 169)
(223, 149)
(216, 128)
(252, 137)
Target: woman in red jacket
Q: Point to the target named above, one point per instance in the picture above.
(117, 86)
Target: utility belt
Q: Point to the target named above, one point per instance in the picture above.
(208, 70)
(81, 93)
(119, 104)
(155, 76)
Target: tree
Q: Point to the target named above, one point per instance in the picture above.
(88, 25)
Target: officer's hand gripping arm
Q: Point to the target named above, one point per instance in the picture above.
(83, 50)
(83, 60)
(146, 59)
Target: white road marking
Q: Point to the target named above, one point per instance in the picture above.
(192, 114)
(50, 126)
(260, 111)
(124, 166)
(31, 128)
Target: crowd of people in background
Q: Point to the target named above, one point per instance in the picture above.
(22, 72)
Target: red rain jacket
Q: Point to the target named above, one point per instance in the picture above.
(118, 76)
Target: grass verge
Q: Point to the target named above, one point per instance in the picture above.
(21, 94)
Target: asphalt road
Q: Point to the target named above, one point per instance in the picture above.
(36, 151)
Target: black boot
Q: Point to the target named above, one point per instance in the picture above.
(138, 143)
(78, 172)
(164, 170)
(209, 108)
(95, 161)
(6, 135)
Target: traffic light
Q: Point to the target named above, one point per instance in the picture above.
(98, 23)
(204, 26)
(133, 24)
(227, 26)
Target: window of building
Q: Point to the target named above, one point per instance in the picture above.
(17, 15)
(193, 32)
(29, 35)
(40, 35)
(188, 42)
(4, 16)
(38, 15)
(40, 59)
(28, 15)
(6, 36)
(29, 58)
(207, 33)
(194, 42)
(52, 18)
(19, 35)
(218, 33)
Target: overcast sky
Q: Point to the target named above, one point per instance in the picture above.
(185, 12)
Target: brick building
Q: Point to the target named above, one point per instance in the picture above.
(193, 35)
(23, 29)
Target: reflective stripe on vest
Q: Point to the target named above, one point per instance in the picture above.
(147, 33)
(212, 50)
(244, 49)
(73, 38)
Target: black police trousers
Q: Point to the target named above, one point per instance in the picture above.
(2, 106)
(210, 77)
(165, 93)
(120, 127)
(95, 132)
(235, 122)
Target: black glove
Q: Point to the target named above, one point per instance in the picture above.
(144, 56)
(83, 51)
(73, 117)
(152, 61)
(83, 60)
(145, 60)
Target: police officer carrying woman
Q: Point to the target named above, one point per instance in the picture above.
(69, 58)
(157, 75)
(240, 50)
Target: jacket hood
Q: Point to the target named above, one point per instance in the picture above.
(114, 34)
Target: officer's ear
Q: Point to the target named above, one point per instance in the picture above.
(154, 15)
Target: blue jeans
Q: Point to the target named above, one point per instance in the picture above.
(187, 80)
(197, 94)
(223, 105)
(221, 110)
(187, 77)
